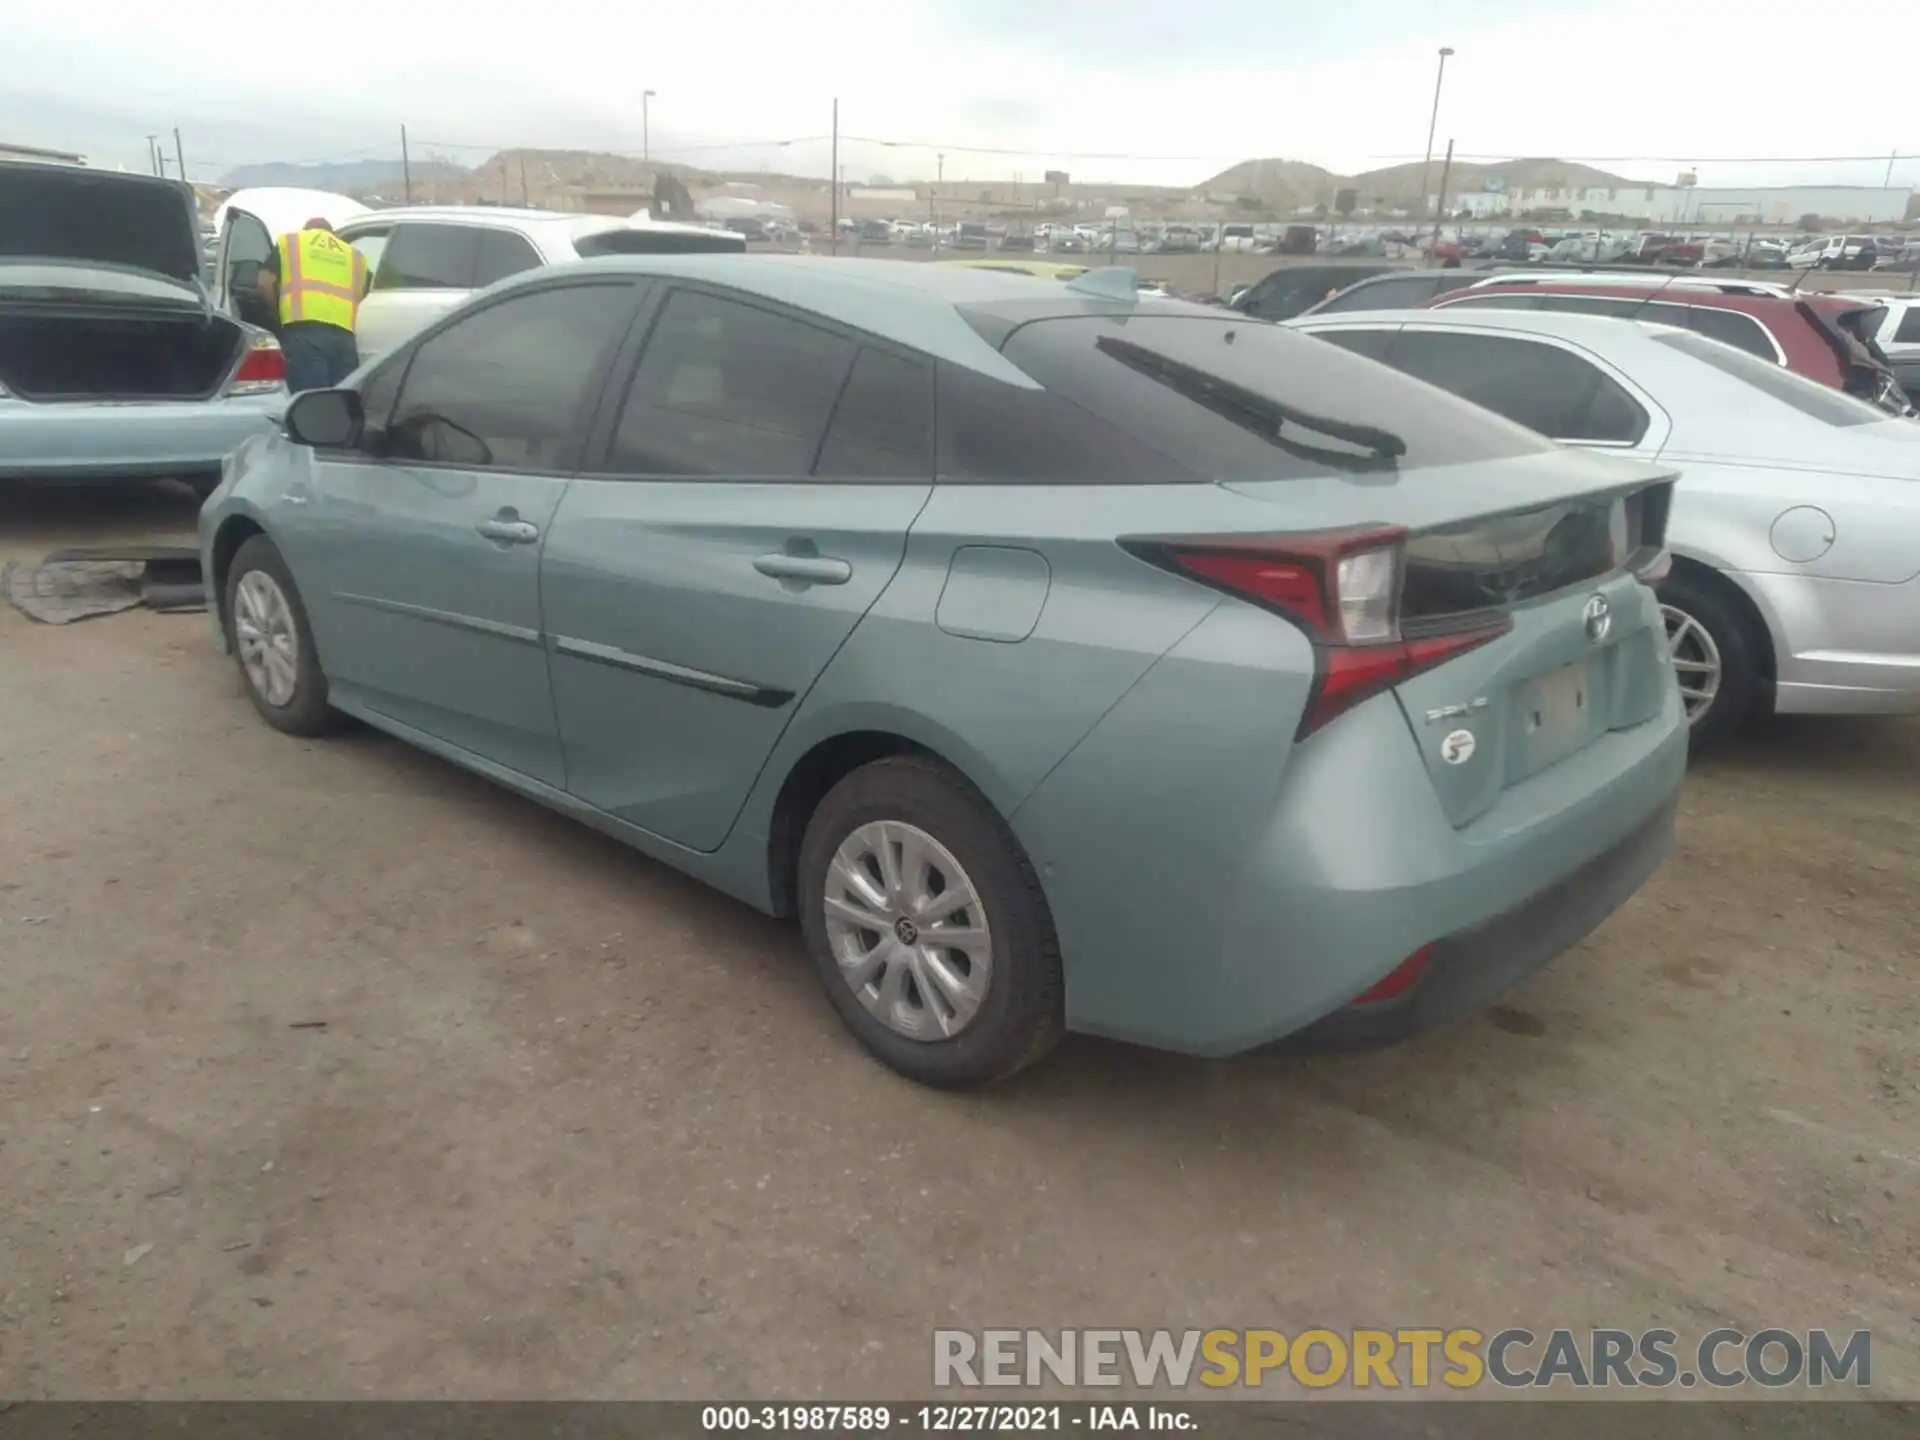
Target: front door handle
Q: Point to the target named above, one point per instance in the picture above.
(509, 532)
(807, 569)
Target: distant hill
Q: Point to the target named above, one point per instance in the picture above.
(351, 177)
(1292, 184)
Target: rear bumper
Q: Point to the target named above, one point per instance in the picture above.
(1842, 647)
(1472, 966)
(85, 443)
(1214, 892)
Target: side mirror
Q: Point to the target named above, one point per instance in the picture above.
(326, 419)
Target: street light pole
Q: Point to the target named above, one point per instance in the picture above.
(1433, 124)
(646, 140)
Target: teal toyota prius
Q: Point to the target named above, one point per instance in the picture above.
(1062, 659)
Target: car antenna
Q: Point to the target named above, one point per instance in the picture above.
(1656, 293)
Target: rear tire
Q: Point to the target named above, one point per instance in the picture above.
(948, 1016)
(1716, 655)
(272, 643)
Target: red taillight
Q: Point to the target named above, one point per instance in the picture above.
(1402, 978)
(263, 367)
(1343, 588)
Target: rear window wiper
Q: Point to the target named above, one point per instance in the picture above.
(1262, 414)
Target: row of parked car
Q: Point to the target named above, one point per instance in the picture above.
(1063, 658)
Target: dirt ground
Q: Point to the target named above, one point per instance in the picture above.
(328, 1070)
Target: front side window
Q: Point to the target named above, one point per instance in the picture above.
(370, 244)
(1909, 331)
(727, 388)
(1540, 386)
(508, 386)
(1401, 292)
(428, 257)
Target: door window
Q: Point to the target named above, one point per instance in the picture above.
(1909, 331)
(1543, 387)
(725, 388)
(429, 257)
(508, 387)
(370, 244)
(502, 253)
(883, 426)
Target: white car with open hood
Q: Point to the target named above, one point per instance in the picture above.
(114, 361)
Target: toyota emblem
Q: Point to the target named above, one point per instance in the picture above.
(1598, 617)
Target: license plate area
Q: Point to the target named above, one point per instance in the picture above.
(1556, 714)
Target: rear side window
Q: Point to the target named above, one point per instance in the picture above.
(729, 389)
(882, 429)
(1733, 327)
(1809, 397)
(1504, 299)
(508, 386)
(429, 257)
(502, 253)
(1542, 387)
(1171, 398)
(1401, 292)
(1373, 344)
(1909, 331)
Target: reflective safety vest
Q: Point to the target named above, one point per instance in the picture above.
(321, 278)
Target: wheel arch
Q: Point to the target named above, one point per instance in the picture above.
(234, 532)
(816, 771)
(1707, 577)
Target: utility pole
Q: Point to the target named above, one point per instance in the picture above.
(646, 138)
(833, 188)
(153, 153)
(523, 181)
(1433, 123)
(1440, 209)
(1890, 159)
(406, 166)
(939, 179)
(181, 155)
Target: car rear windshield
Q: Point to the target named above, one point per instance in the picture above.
(1809, 397)
(1137, 398)
(656, 242)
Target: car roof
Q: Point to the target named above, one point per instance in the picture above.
(1712, 298)
(507, 217)
(926, 307)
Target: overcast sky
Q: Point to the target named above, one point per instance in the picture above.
(1182, 88)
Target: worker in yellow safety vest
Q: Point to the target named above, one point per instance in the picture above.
(314, 280)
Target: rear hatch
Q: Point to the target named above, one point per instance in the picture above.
(1484, 577)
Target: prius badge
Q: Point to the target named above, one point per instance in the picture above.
(1598, 617)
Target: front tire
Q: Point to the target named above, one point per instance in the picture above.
(1715, 656)
(272, 643)
(928, 926)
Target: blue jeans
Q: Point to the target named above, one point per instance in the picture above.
(318, 356)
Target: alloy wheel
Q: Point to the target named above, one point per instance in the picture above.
(908, 930)
(264, 635)
(1696, 661)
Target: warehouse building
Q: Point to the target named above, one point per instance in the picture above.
(1698, 204)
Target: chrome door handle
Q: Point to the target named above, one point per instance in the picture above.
(807, 569)
(509, 532)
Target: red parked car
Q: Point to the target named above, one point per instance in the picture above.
(1824, 337)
